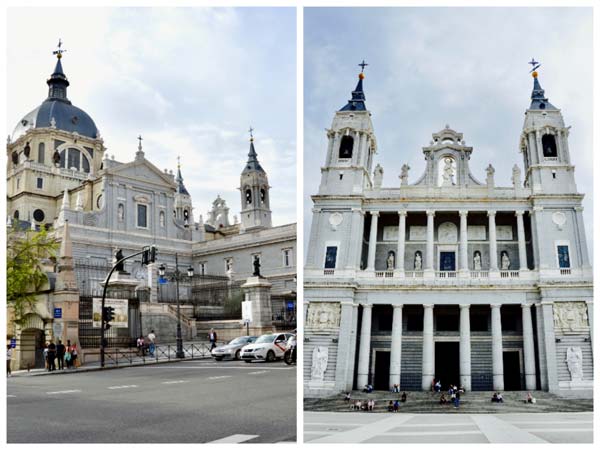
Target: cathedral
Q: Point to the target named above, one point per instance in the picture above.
(61, 178)
(450, 275)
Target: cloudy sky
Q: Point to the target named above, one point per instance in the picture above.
(466, 67)
(190, 81)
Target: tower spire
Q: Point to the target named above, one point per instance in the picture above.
(252, 163)
(357, 102)
(58, 82)
(179, 179)
(538, 98)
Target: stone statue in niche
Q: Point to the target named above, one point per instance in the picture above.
(448, 174)
(504, 261)
(570, 316)
(161, 219)
(574, 362)
(323, 315)
(391, 260)
(320, 357)
(404, 175)
(120, 212)
(418, 261)
(477, 260)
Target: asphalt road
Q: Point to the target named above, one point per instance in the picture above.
(185, 402)
(364, 427)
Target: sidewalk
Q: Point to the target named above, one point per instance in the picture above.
(119, 358)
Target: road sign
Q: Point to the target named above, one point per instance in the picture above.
(247, 310)
(58, 313)
(13, 342)
(290, 305)
(162, 280)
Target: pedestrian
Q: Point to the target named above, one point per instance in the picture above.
(438, 386)
(60, 355)
(443, 399)
(51, 357)
(9, 353)
(403, 397)
(152, 342)
(347, 397)
(500, 399)
(74, 360)
(140, 345)
(396, 405)
(68, 359)
(391, 406)
(46, 354)
(457, 399)
(212, 337)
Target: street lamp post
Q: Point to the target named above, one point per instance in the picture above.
(161, 271)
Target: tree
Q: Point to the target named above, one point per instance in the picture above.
(24, 276)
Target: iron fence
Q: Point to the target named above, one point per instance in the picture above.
(165, 352)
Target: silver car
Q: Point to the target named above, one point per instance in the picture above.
(232, 349)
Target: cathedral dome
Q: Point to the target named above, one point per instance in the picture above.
(57, 111)
(60, 115)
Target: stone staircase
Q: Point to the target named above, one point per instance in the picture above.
(470, 402)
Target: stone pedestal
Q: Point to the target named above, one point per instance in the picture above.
(122, 285)
(258, 290)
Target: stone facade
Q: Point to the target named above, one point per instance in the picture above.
(59, 172)
(445, 276)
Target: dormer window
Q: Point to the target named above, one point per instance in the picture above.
(549, 146)
(346, 147)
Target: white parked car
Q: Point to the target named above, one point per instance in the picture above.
(267, 347)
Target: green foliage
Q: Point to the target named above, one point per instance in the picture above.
(233, 302)
(24, 277)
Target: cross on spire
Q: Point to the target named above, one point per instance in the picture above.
(140, 141)
(178, 162)
(60, 51)
(250, 130)
(363, 64)
(534, 65)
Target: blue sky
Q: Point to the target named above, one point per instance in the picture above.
(189, 80)
(466, 67)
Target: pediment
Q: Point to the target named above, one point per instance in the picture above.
(143, 171)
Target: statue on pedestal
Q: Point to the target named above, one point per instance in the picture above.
(391, 260)
(504, 261)
(418, 261)
(477, 260)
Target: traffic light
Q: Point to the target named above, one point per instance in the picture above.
(153, 253)
(108, 315)
(149, 255)
(145, 257)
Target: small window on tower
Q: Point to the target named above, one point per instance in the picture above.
(40, 183)
(248, 197)
(549, 146)
(564, 262)
(41, 152)
(263, 195)
(346, 147)
(330, 257)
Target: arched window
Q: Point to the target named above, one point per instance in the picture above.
(72, 158)
(263, 196)
(16, 214)
(549, 146)
(41, 152)
(346, 147)
(248, 193)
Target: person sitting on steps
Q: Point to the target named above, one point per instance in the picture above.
(391, 406)
(403, 397)
(443, 399)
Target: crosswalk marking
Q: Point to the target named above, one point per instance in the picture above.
(219, 377)
(235, 439)
(126, 386)
(258, 373)
(64, 392)
(10, 395)
(175, 382)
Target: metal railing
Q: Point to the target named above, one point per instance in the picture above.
(165, 352)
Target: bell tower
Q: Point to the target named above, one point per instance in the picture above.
(351, 147)
(254, 189)
(544, 144)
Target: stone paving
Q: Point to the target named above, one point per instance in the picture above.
(362, 427)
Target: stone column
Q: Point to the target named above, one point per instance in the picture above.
(334, 148)
(585, 260)
(401, 241)
(428, 348)
(344, 363)
(464, 245)
(590, 311)
(550, 345)
(528, 348)
(521, 237)
(429, 255)
(465, 347)
(355, 245)
(365, 347)
(372, 240)
(493, 246)
(497, 362)
(356, 146)
(396, 352)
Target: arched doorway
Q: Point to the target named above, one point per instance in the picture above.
(30, 345)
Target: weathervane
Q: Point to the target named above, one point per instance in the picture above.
(60, 51)
(363, 64)
(534, 64)
(250, 130)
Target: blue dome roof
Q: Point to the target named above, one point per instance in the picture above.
(67, 117)
(57, 111)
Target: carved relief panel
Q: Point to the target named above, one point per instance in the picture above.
(323, 315)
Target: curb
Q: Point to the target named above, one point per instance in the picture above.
(111, 367)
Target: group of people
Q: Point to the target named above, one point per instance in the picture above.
(369, 405)
(146, 344)
(64, 355)
(454, 393)
(394, 406)
(497, 398)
